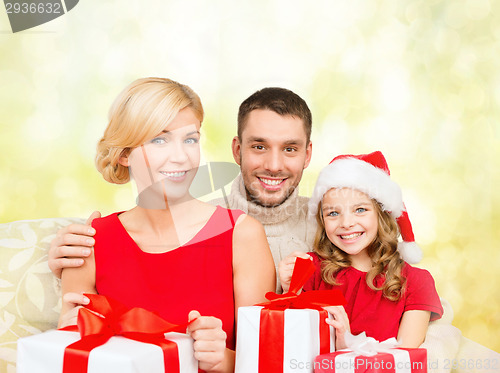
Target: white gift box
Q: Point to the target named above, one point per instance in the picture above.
(301, 340)
(44, 353)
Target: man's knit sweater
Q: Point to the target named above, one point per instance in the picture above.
(287, 226)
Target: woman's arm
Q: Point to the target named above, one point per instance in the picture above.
(253, 276)
(413, 328)
(253, 266)
(74, 282)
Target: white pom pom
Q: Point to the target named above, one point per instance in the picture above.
(410, 252)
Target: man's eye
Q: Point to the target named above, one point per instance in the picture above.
(290, 150)
(258, 147)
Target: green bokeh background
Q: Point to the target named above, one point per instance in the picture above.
(418, 80)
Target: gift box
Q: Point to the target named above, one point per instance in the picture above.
(44, 353)
(109, 337)
(286, 333)
(366, 355)
(298, 342)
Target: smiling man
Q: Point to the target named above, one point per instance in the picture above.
(273, 147)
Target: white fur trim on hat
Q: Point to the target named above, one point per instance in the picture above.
(360, 175)
(410, 252)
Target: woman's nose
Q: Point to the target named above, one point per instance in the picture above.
(178, 153)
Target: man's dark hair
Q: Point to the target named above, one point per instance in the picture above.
(280, 100)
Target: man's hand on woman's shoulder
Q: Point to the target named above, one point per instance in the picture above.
(71, 245)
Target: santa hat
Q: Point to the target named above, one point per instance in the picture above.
(369, 173)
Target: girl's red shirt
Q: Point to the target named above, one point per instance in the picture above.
(368, 310)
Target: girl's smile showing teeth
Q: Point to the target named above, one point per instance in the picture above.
(351, 236)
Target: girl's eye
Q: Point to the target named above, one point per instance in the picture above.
(333, 213)
(191, 140)
(158, 141)
(360, 210)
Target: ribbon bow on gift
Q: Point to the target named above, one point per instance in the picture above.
(105, 317)
(316, 299)
(368, 346)
(272, 316)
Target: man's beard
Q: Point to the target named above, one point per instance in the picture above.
(252, 198)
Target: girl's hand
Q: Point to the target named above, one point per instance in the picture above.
(341, 324)
(209, 340)
(73, 301)
(285, 268)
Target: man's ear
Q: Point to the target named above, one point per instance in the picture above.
(236, 148)
(308, 154)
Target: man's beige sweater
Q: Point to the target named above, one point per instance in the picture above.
(287, 226)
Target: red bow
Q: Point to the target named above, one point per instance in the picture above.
(105, 317)
(316, 299)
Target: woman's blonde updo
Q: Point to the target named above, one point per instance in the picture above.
(140, 112)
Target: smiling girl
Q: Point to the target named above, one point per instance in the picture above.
(360, 214)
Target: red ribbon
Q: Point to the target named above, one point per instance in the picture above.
(272, 316)
(105, 317)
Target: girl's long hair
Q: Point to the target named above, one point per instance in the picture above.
(386, 262)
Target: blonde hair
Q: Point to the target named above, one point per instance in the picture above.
(140, 112)
(387, 264)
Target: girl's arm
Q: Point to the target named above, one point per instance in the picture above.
(413, 328)
(74, 282)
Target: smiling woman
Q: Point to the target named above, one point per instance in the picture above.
(171, 246)
(167, 163)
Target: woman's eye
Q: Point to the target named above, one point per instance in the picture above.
(158, 141)
(191, 140)
(360, 210)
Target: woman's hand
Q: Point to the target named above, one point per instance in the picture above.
(209, 341)
(341, 324)
(72, 302)
(286, 266)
